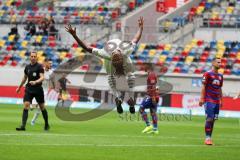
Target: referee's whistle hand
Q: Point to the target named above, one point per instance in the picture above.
(32, 83)
(18, 90)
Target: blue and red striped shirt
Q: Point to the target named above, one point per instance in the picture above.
(213, 83)
(152, 86)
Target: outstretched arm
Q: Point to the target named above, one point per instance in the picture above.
(24, 79)
(138, 35)
(203, 91)
(72, 31)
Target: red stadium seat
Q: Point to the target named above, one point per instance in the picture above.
(131, 5)
(232, 55)
(9, 48)
(212, 22)
(176, 58)
(202, 4)
(94, 45)
(223, 65)
(184, 53)
(203, 59)
(114, 15)
(52, 44)
(75, 13)
(35, 8)
(159, 63)
(100, 8)
(75, 45)
(227, 72)
(198, 71)
(218, 22)
(177, 70)
(205, 53)
(163, 70)
(18, 3)
(22, 12)
(200, 42)
(14, 63)
(224, 60)
(69, 55)
(237, 61)
(50, 8)
(85, 67)
(51, 38)
(160, 47)
(139, 62)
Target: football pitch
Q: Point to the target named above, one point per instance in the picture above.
(112, 138)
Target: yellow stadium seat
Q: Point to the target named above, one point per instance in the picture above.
(13, 18)
(187, 48)
(24, 43)
(219, 55)
(194, 40)
(2, 12)
(92, 14)
(81, 56)
(152, 52)
(215, 15)
(39, 53)
(22, 53)
(238, 55)
(39, 39)
(221, 42)
(141, 47)
(63, 54)
(79, 49)
(101, 19)
(167, 47)
(41, 59)
(81, 14)
(8, 3)
(200, 9)
(189, 59)
(2, 43)
(11, 38)
(230, 10)
(162, 58)
(221, 70)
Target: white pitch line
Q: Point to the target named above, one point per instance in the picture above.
(120, 145)
(113, 136)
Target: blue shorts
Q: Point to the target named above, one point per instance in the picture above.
(147, 103)
(211, 110)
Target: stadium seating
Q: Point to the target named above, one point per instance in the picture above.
(215, 13)
(10, 11)
(194, 58)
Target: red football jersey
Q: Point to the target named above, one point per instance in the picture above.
(151, 84)
(213, 83)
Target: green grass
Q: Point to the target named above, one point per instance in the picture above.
(108, 137)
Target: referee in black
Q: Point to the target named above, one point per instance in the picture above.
(34, 73)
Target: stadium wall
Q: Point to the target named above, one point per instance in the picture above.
(178, 11)
(90, 33)
(182, 83)
(170, 103)
(209, 34)
(129, 23)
